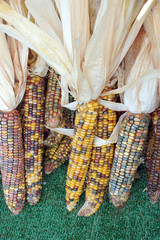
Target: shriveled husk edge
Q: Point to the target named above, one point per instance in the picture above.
(13, 69)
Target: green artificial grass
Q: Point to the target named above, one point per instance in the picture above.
(49, 219)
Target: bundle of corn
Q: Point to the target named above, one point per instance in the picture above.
(140, 100)
(13, 70)
(153, 30)
(101, 161)
(85, 68)
(53, 109)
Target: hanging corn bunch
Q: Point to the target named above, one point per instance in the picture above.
(86, 69)
(13, 70)
(101, 161)
(140, 100)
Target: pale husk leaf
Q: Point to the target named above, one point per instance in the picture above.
(75, 24)
(7, 95)
(152, 28)
(39, 67)
(19, 55)
(144, 96)
(108, 55)
(47, 47)
(46, 17)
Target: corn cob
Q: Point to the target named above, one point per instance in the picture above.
(52, 142)
(127, 156)
(12, 160)
(33, 136)
(52, 139)
(81, 148)
(57, 155)
(101, 161)
(53, 109)
(151, 139)
(48, 160)
(154, 164)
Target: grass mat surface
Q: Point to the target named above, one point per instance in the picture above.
(138, 220)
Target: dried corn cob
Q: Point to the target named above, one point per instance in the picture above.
(52, 139)
(57, 155)
(33, 136)
(12, 160)
(128, 151)
(48, 161)
(154, 163)
(101, 161)
(81, 148)
(53, 109)
(151, 139)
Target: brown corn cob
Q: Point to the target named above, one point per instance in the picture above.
(56, 157)
(53, 109)
(54, 137)
(81, 149)
(127, 156)
(101, 161)
(33, 136)
(48, 161)
(52, 142)
(154, 168)
(12, 160)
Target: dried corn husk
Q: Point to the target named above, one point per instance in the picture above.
(144, 96)
(152, 28)
(115, 29)
(13, 68)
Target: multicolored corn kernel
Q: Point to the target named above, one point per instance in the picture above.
(127, 156)
(53, 109)
(33, 132)
(150, 144)
(69, 115)
(101, 161)
(81, 149)
(12, 160)
(154, 167)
